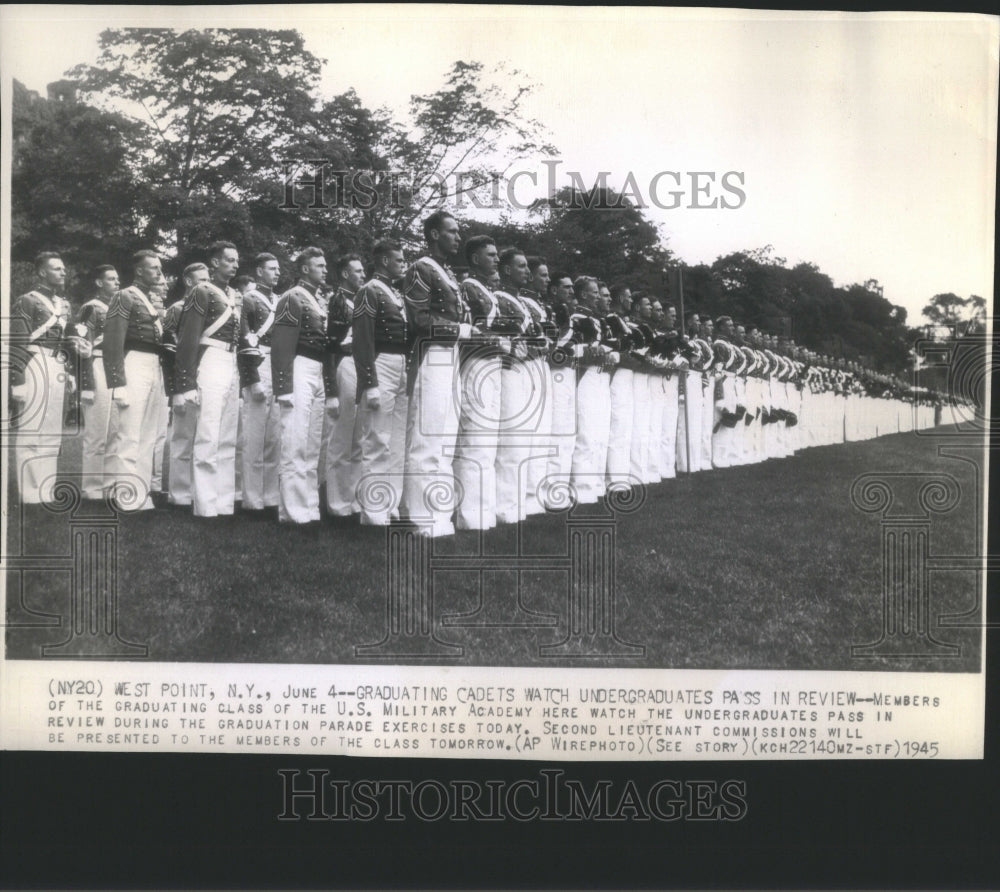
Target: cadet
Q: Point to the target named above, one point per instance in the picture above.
(261, 413)
(183, 423)
(40, 341)
(622, 386)
(381, 341)
(438, 318)
(480, 374)
(206, 374)
(133, 337)
(562, 374)
(343, 452)
(302, 385)
(95, 396)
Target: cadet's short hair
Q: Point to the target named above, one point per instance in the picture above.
(434, 221)
(556, 277)
(508, 254)
(42, 259)
(476, 244)
(618, 289)
(344, 261)
(240, 281)
(581, 282)
(101, 270)
(262, 259)
(384, 248)
(306, 255)
(217, 249)
(722, 320)
(140, 257)
(192, 268)
(535, 261)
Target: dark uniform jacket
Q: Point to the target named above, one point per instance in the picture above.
(299, 330)
(204, 306)
(379, 326)
(39, 319)
(260, 305)
(93, 315)
(134, 322)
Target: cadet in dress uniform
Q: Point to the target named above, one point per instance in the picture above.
(480, 376)
(594, 359)
(620, 337)
(133, 337)
(381, 342)
(162, 412)
(672, 352)
(343, 451)
(303, 385)
(180, 434)
(539, 351)
(41, 343)
(562, 374)
(520, 391)
(437, 316)
(206, 373)
(261, 413)
(95, 396)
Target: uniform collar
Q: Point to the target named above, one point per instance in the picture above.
(382, 277)
(266, 290)
(47, 291)
(312, 289)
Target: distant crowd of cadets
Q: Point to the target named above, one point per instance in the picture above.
(414, 393)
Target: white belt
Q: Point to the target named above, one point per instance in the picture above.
(265, 351)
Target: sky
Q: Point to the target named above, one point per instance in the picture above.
(863, 143)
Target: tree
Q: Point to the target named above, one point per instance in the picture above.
(945, 309)
(219, 106)
(72, 187)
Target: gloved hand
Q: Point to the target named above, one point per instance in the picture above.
(19, 393)
(257, 392)
(373, 399)
(285, 401)
(87, 397)
(464, 331)
(333, 407)
(120, 397)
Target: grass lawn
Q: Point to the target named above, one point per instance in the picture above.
(764, 566)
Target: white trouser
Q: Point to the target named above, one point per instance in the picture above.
(593, 427)
(689, 424)
(542, 443)
(382, 440)
(40, 427)
(723, 437)
(343, 447)
(478, 437)
(136, 428)
(160, 443)
(668, 438)
(622, 413)
(97, 434)
(563, 434)
(518, 417)
(180, 454)
(214, 454)
(654, 423)
(638, 462)
(707, 423)
(301, 434)
(431, 434)
(261, 444)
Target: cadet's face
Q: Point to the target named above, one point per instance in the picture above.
(193, 279)
(269, 273)
(487, 259)
(727, 328)
(53, 274)
(354, 275)
(227, 264)
(107, 285)
(395, 265)
(589, 295)
(741, 332)
(449, 237)
(314, 270)
(657, 311)
(605, 294)
(540, 279)
(564, 290)
(645, 309)
(148, 272)
(626, 300)
(671, 317)
(518, 271)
